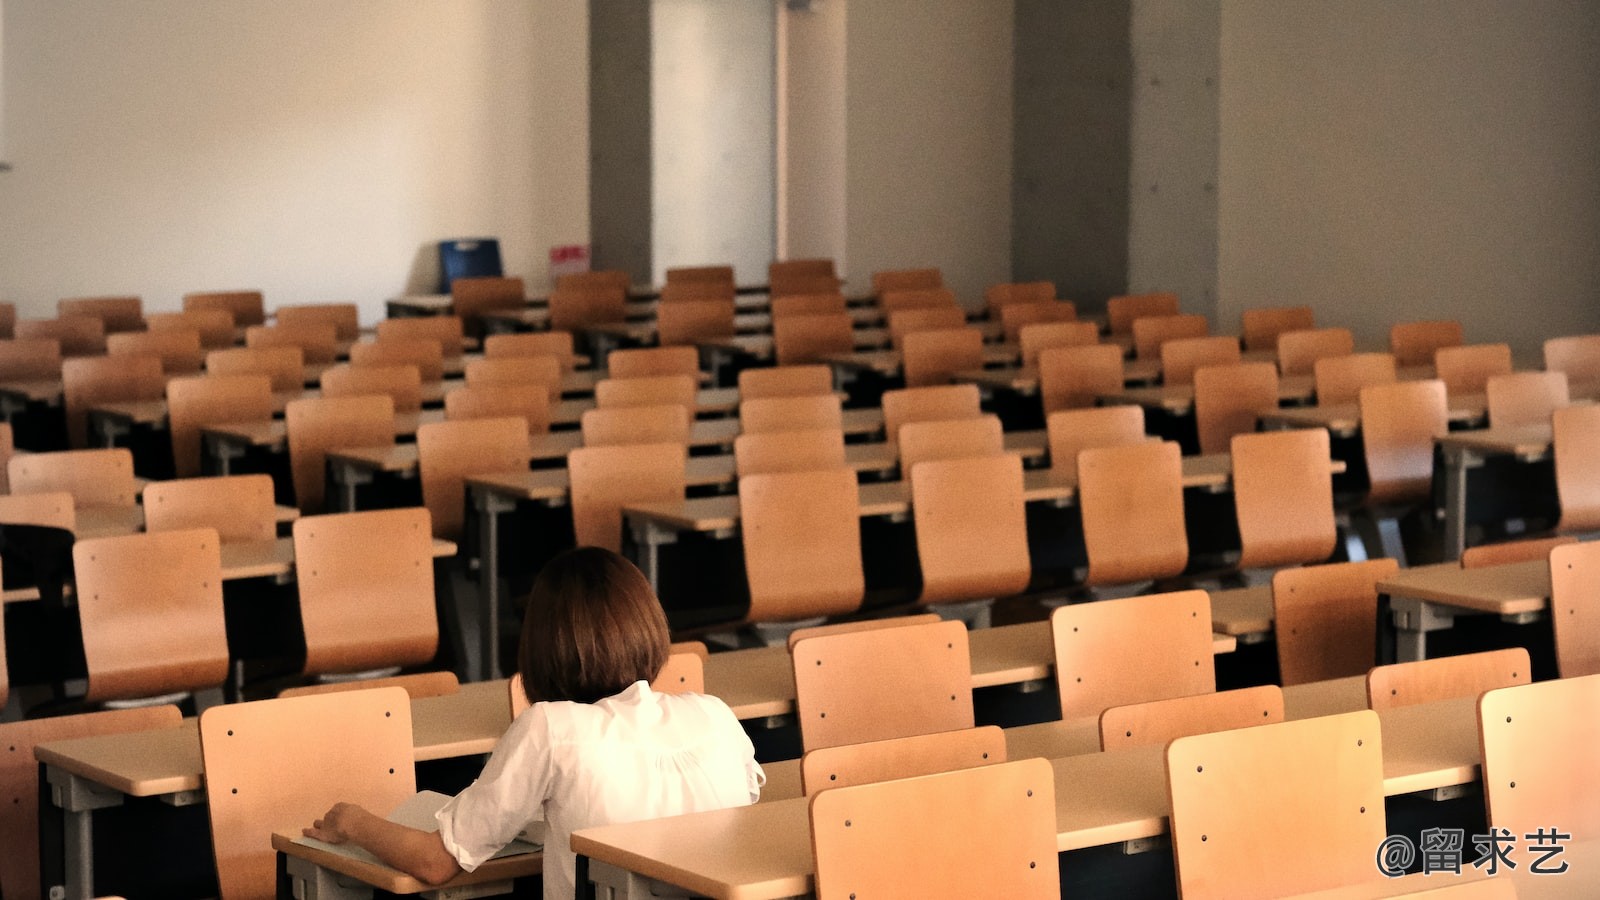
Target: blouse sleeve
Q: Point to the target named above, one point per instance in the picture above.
(505, 799)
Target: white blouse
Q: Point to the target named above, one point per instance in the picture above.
(631, 756)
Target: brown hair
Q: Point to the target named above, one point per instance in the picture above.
(593, 626)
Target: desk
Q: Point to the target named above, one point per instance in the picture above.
(1464, 451)
(320, 875)
(1428, 598)
(1343, 420)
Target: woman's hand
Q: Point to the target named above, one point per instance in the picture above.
(338, 824)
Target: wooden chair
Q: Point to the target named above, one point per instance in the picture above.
(1414, 343)
(788, 451)
(1445, 677)
(178, 349)
(918, 298)
(30, 359)
(901, 621)
(1578, 356)
(277, 765)
(933, 318)
(1131, 499)
(426, 356)
(446, 331)
(77, 335)
(8, 321)
(1071, 431)
(604, 479)
(676, 292)
(1017, 316)
(1283, 498)
(664, 424)
(92, 477)
(803, 413)
(1525, 398)
(198, 401)
(416, 685)
(92, 380)
(215, 326)
(921, 754)
(1076, 377)
(1575, 608)
(617, 393)
(801, 339)
(151, 630)
(1150, 332)
(246, 307)
(285, 366)
(238, 507)
(971, 528)
(318, 343)
(402, 384)
(998, 296)
(1279, 809)
(543, 372)
(573, 308)
(893, 838)
(801, 533)
(1325, 619)
(344, 317)
(928, 404)
(714, 274)
(1575, 443)
(807, 304)
(905, 280)
(543, 343)
(117, 314)
(1339, 379)
(1298, 351)
(1122, 311)
(447, 452)
(955, 439)
(1539, 764)
(784, 275)
(1034, 339)
(317, 425)
(1132, 650)
(1161, 721)
(349, 564)
(934, 357)
(19, 781)
(615, 279)
(1261, 328)
(1467, 369)
(1181, 357)
(1399, 423)
(652, 362)
(1230, 400)
(530, 402)
(785, 381)
(470, 298)
(687, 322)
(1525, 550)
(882, 683)
(51, 510)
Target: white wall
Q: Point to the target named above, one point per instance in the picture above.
(812, 134)
(314, 150)
(1386, 161)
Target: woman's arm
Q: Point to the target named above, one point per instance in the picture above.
(420, 854)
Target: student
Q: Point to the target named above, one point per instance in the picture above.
(596, 747)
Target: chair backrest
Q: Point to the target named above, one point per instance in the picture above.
(151, 629)
(917, 298)
(972, 528)
(905, 280)
(900, 621)
(647, 362)
(285, 366)
(416, 685)
(1182, 356)
(604, 479)
(539, 343)
(470, 298)
(1575, 608)
(237, 507)
(402, 384)
(1131, 650)
(1325, 619)
(875, 839)
(1150, 332)
(1577, 355)
(1525, 398)
(784, 381)
(997, 296)
(1034, 339)
(201, 400)
(1445, 677)
(802, 544)
(781, 273)
(1071, 431)
(447, 452)
(685, 322)
(1339, 379)
(30, 359)
(1277, 809)
(1230, 400)
(1539, 764)
(542, 371)
(19, 781)
(117, 314)
(615, 279)
(666, 423)
(765, 415)
(178, 348)
(468, 258)
(807, 304)
(317, 425)
(788, 451)
(93, 477)
(350, 564)
(77, 335)
(654, 390)
(1467, 369)
(932, 318)
(1414, 343)
(716, 274)
(1525, 550)
(1298, 351)
(246, 307)
(1075, 377)
(528, 401)
(955, 439)
(276, 765)
(215, 326)
(50, 510)
(585, 307)
(91, 380)
(1160, 721)
(1131, 499)
(934, 357)
(1261, 328)
(1122, 311)
(426, 356)
(1283, 497)
(344, 317)
(447, 331)
(1575, 442)
(927, 404)
(827, 768)
(8, 321)
(800, 339)
(1399, 423)
(318, 342)
(1017, 316)
(882, 683)
(676, 292)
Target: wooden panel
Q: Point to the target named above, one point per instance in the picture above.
(1326, 619)
(1577, 355)
(344, 317)
(247, 307)
(928, 404)
(318, 342)
(1299, 351)
(1575, 608)
(530, 402)
(1539, 765)
(1446, 677)
(36, 359)
(544, 371)
(972, 529)
(77, 335)
(1160, 721)
(1467, 369)
(52, 510)
(446, 331)
(1399, 423)
(1575, 439)
(238, 507)
(788, 451)
(1414, 343)
(923, 754)
(402, 384)
(1525, 398)
(426, 356)
(117, 314)
(648, 391)
(1228, 400)
(784, 381)
(765, 415)
(801, 339)
(1283, 498)
(1261, 328)
(1075, 377)
(1150, 332)
(666, 424)
(416, 685)
(178, 349)
(544, 343)
(603, 479)
(646, 362)
(286, 366)
(91, 380)
(1122, 311)
(92, 477)
(195, 402)
(1035, 339)
(1132, 650)
(1071, 431)
(934, 357)
(447, 452)
(932, 318)
(955, 439)
(1512, 551)
(1131, 498)
(801, 533)
(317, 425)
(1340, 379)
(686, 322)
(1180, 357)
(1016, 316)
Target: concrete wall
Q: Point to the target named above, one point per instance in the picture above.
(811, 134)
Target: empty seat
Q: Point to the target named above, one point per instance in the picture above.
(178, 349)
(447, 452)
(1160, 721)
(1467, 369)
(1071, 431)
(196, 402)
(788, 451)
(246, 307)
(1339, 379)
(1122, 311)
(800, 339)
(238, 507)
(117, 314)
(1298, 351)
(803, 413)
(92, 380)
(802, 544)
(318, 342)
(934, 357)
(604, 479)
(784, 381)
(1414, 343)
(1432, 680)
(663, 424)
(1132, 650)
(317, 425)
(1326, 619)
(1075, 377)
(1230, 400)
(1181, 357)
(1261, 328)
(285, 366)
(1131, 499)
(344, 317)
(653, 361)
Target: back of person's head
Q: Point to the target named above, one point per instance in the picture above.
(592, 628)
